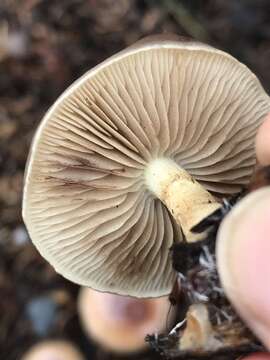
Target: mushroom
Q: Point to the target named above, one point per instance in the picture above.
(53, 350)
(121, 323)
(200, 336)
(146, 141)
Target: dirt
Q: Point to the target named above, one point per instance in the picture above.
(44, 47)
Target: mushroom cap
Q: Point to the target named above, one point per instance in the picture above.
(86, 204)
(121, 323)
(53, 350)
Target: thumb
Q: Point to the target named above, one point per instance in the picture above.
(243, 260)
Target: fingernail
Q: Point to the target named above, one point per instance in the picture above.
(243, 259)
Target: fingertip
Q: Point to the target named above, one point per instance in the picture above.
(261, 356)
(243, 247)
(262, 142)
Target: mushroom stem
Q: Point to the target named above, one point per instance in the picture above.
(199, 333)
(187, 200)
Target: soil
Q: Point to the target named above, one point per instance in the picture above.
(44, 47)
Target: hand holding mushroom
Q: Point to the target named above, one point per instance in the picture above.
(243, 252)
(133, 155)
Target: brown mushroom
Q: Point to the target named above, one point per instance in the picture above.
(53, 350)
(165, 123)
(121, 323)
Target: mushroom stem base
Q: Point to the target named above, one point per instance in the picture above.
(187, 200)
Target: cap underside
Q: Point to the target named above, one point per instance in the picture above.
(86, 205)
